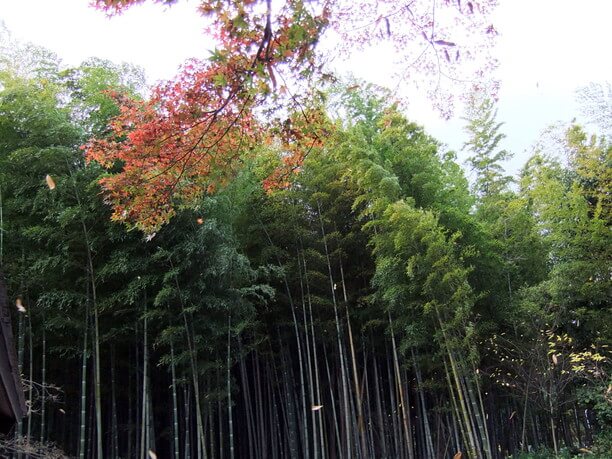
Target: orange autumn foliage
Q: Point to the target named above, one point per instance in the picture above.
(193, 133)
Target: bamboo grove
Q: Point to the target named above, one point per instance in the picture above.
(378, 307)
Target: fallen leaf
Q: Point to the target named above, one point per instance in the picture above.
(62, 411)
(200, 220)
(458, 455)
(152, 455)
(316, 407)
(554, 359)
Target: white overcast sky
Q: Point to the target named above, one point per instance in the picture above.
(547, 48)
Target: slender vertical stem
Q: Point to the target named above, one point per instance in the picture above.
(379, 410)
(396, 434)
(114, 426)
(84, 384)
(333, 405)
(187, 399)
(358, 389)
(20, 354)
(1, 228)
(43, 389)
(305, 436)
(31, 373)
(474, 451)
(98, 397)
(144, 423)
(426, 427)
(524, 424)
(201, 444)
(315, 357)
(150, 419)
(400, 391)
(313, 413)
(552, 419)
(345, 389)
(229, 390)
(456, 415)
(246, 397)
(130, 417)
(359, 401)
(481, 417)
(174, 404)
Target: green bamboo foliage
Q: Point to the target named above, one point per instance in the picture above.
(374, 308)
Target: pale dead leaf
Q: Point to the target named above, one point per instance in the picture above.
(554, 359)
(152, 455)
(19, 305)
(316, 407)
(50, 182)
(458, 455)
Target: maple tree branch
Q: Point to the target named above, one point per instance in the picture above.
(382, 16)
(265, 42)
(207, 149)
(267, 36)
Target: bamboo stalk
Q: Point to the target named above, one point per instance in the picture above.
(176, 433)
(400, 390)
(343, 371)
(229, 390)
(114, 427)
(144, 421)
(309, 376)
(426, 427)
(43, 389)
(315, 359)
